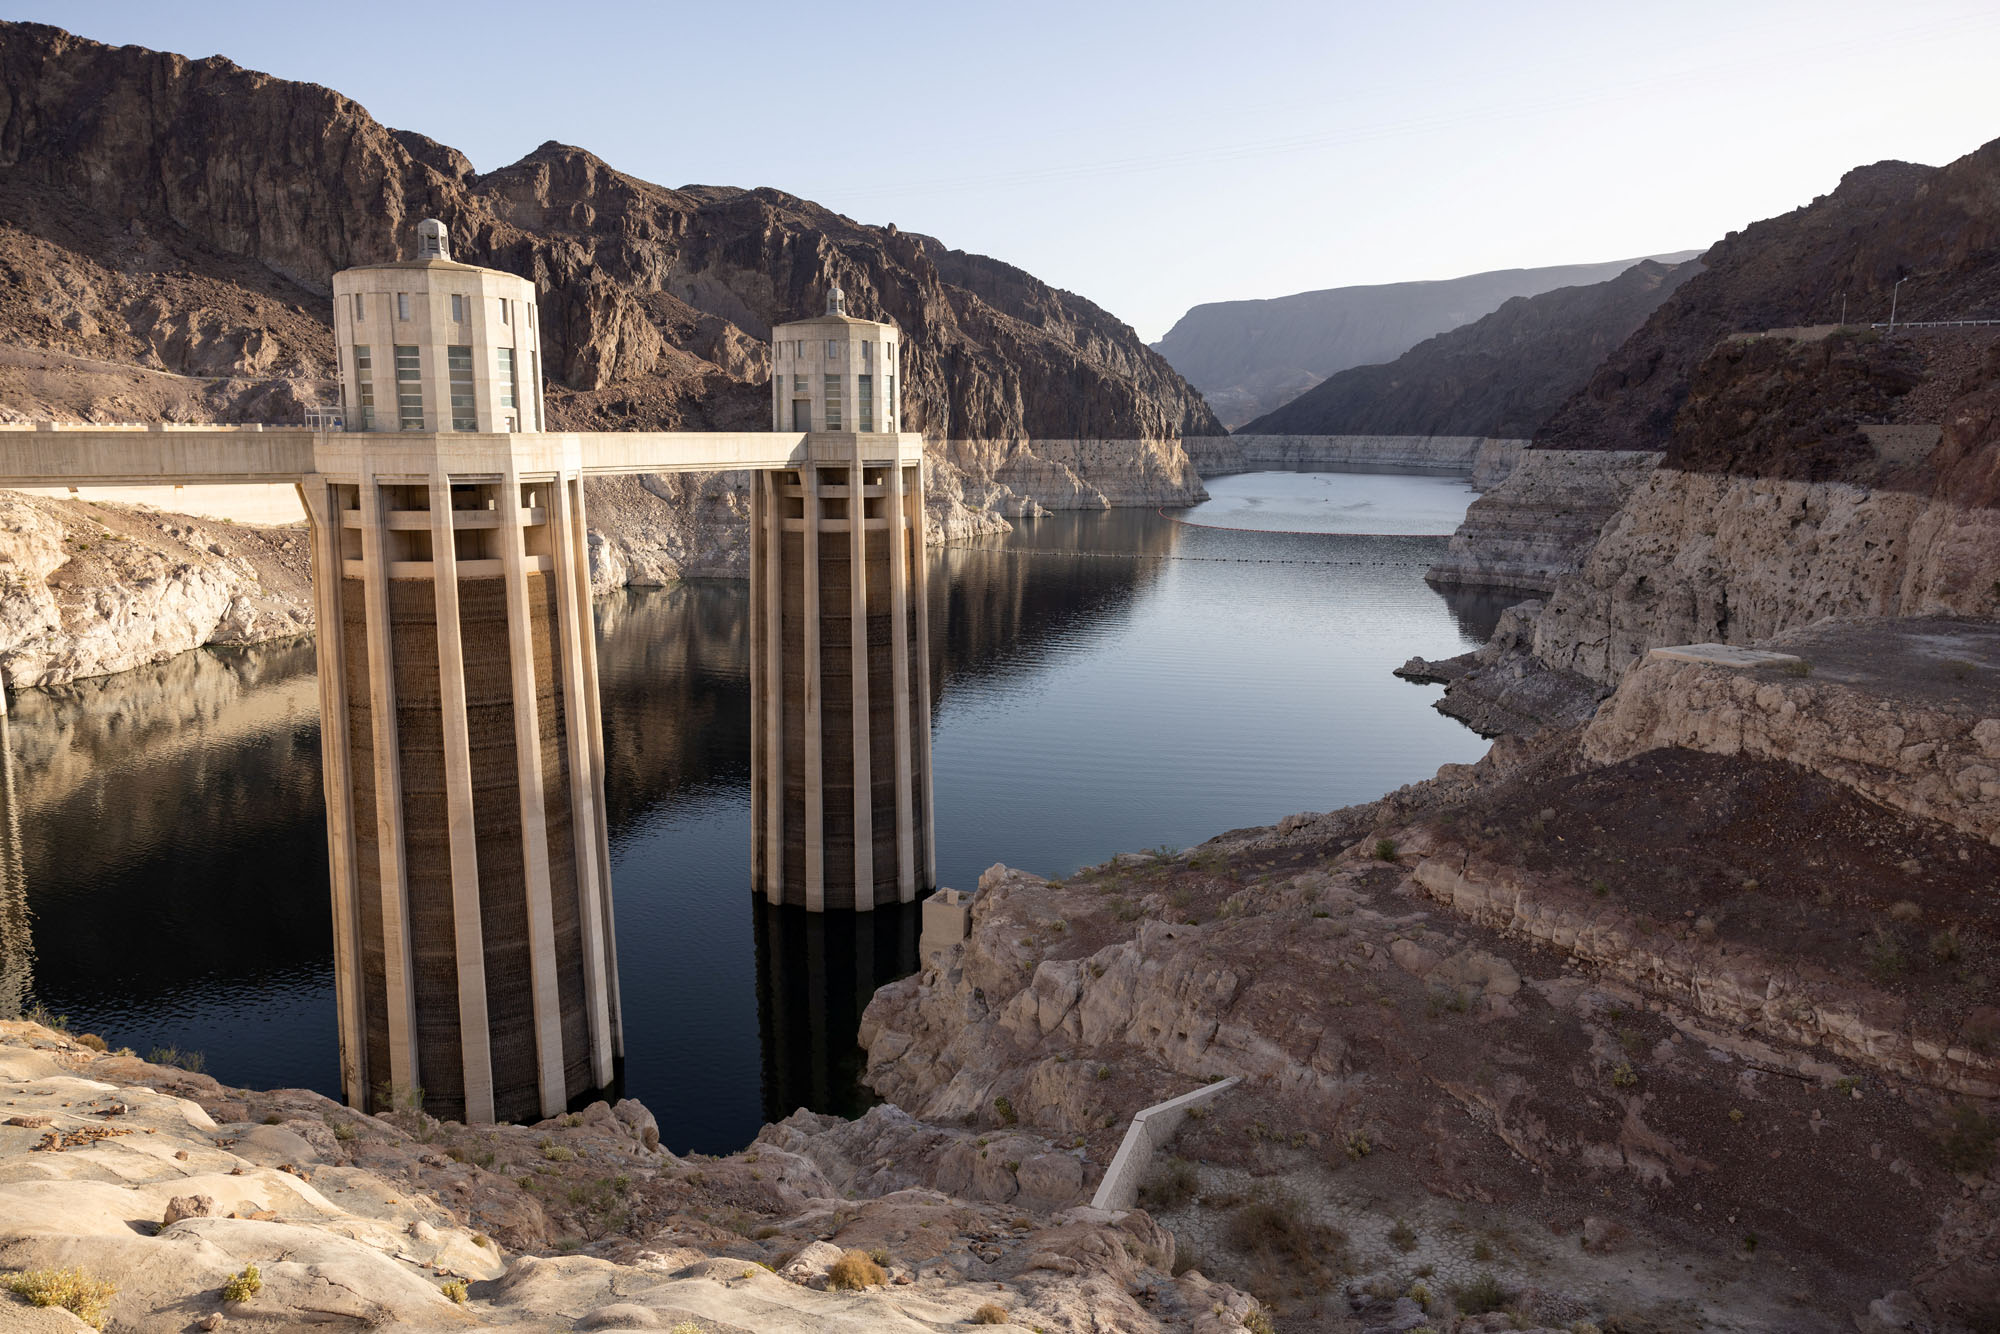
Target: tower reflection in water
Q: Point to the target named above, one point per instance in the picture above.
(815, 975)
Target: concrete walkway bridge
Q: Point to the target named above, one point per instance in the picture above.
(461, 739)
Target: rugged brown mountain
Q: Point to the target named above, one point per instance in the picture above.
(166, 215)
(1937, 227)
(1502, 375)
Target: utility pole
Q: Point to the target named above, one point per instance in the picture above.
(1893, 294)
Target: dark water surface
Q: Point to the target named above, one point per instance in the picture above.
(1103, 683)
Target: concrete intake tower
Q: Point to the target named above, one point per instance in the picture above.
(475, 961)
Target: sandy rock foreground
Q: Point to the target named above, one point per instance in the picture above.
(167, 1185)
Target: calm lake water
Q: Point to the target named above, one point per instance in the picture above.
(1103, 682)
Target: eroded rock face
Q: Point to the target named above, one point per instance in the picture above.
(90, 589)
(1406, 1037)
(1862, 717)
(1541, 517)
(1711, 557)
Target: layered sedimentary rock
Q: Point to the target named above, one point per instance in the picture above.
(1536, 524)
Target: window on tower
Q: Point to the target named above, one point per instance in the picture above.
(458, 360)
(364, 385)
(409, 389)
(402, 305)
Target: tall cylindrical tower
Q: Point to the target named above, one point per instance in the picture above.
(841, 783)
(464, 765)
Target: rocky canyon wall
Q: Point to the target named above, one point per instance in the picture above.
(1540, 517)
(1713, 558)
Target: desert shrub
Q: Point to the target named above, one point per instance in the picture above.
(74, 1290)
(1420, 1293)
(1172, 1184)
(92, 1041)
(456, 1289)
(244, 1285)
(1884, 952)
(853, 1271)
(558, 1153)
(1358, 1146)
(879, 1255)
(1798, 667)
(1945, 947)
(1403, 1237)
(1003, 1107)
(1259, 1322)
(686, 1327)
(1479, 1296)
(990, 1314)
(1903, 910)
(1966, 1141)
(1385, 849)
(1275, 1234)
(191, 1061)
(1623, 1076)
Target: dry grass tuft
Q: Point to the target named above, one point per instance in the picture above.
(854, 1271)
(73, 1290)
(990, 1314)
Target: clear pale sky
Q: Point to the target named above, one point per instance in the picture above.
(1154, 156)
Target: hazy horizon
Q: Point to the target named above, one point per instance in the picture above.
(1159, 158)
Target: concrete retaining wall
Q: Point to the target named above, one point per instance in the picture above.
(1216, 456)
(1150, 1129)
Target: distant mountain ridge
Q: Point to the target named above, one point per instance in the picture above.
(1501, 375)
(1249, 357)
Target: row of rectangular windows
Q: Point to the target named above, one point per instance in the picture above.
(461, 307)
(410, 385)
(834, 394)
(796, 349)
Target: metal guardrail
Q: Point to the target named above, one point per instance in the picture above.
(1930, 324)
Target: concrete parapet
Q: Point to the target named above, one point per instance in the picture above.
(1149, 1130)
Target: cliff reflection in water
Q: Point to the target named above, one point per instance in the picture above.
(167, 835)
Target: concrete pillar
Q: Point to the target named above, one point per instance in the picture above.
(475, 1038)
(474, 949)
(325, 519)
(534, 813)
(392, 891)
(807, 537)
(812, 691)
(857, 634)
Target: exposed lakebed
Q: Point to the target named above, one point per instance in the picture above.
(1103, 682)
